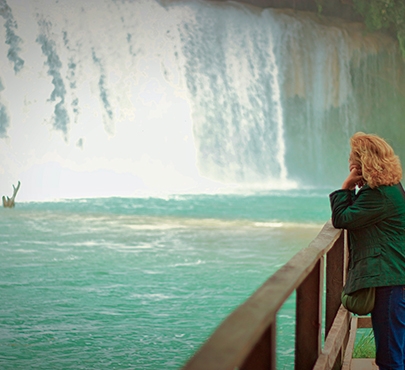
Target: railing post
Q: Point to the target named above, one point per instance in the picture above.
(264, 355)
(309, 318)
(335, 269)
(336, 263)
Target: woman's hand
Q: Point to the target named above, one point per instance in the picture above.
(355, 178)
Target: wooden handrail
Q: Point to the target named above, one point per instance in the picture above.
(246, 339)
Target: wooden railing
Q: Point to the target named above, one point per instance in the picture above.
(246, 339)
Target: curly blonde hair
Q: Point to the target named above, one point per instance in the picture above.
(379, 164)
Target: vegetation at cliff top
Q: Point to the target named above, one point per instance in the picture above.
(384, 15)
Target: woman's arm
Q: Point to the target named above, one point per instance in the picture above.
(368, 208)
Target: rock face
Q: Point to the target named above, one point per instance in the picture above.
(334, 8)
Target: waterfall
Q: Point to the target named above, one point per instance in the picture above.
(117, 97)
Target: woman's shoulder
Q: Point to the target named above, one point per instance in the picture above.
(378, 193)
(380, 189)
(386, 193)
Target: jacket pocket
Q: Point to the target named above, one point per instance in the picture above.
(366, 262)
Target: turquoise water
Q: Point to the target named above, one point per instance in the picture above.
(140, 283)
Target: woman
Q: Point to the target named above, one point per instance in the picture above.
(375, 220)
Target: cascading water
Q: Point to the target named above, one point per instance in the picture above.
(234, 84)
(119, 97)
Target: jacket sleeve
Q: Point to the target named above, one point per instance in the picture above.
(355, 212)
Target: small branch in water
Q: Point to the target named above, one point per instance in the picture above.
(10, 202)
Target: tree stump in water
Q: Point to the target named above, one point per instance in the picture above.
(10, 202)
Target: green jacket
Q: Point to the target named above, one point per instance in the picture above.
(375, 220)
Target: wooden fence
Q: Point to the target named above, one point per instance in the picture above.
(246, 339)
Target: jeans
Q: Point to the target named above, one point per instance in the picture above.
(388, 318)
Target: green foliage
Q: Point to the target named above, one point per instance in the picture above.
(384, 15)
(319, 5)
(365, 347)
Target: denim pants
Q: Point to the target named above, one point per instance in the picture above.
(388, 318)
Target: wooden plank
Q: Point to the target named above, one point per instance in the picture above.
(308, 334)
(364, 364)
(262, 356)
(347, 360)
(334, 341)
(364, 322)
(335, 275)
(335, 262)
(236, 337)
